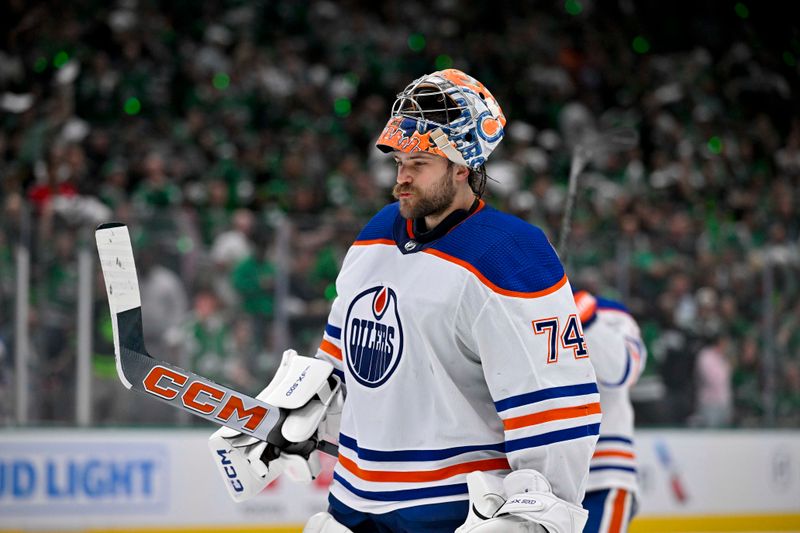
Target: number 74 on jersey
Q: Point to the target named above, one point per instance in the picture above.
(570, 336)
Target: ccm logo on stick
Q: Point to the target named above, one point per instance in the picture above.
(169, 384)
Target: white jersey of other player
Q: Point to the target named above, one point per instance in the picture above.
(618, 355)
(458, 355)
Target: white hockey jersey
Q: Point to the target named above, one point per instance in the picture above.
(618, 356)
(461, 354)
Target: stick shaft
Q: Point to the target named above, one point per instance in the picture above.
(576, 167)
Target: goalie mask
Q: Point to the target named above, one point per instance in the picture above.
(447, 113)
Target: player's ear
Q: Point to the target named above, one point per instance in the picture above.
(460, 172)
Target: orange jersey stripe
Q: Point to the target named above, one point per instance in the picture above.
(613, 453)
(424, 475)
(374, 241)
(619, 509)
(563, 413)
(536, 294)
(331, 349)
(410, 228)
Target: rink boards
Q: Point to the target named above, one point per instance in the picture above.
(164, 481)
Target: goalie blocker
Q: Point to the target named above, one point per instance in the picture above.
(310, 398)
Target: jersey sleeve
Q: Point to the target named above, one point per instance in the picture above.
(609, 353)
(537, 369)
(618, 352)
(330, 349)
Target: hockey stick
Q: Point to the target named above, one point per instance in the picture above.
(597, 143)
(182, 389)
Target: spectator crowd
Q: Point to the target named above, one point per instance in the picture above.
(237, 141)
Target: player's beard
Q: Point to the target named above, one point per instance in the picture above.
(433, 202)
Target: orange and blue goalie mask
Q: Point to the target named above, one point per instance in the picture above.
(447, 113)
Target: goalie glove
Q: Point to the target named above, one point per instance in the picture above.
(305, 389)
(522, 502)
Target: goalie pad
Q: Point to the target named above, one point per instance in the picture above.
(529, 506)
(324, 523)
(303, 388)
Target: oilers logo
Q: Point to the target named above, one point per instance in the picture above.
(373, 336)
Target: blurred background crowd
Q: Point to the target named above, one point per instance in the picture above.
(237, 141)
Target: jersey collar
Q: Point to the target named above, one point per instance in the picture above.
(412, 235)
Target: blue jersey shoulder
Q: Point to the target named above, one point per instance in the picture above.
(509, 252)
(607, 303)
(380, 226)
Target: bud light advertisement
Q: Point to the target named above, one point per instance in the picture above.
(82, 477)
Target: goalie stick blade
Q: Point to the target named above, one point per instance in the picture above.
(122, 288)
(139, 371)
